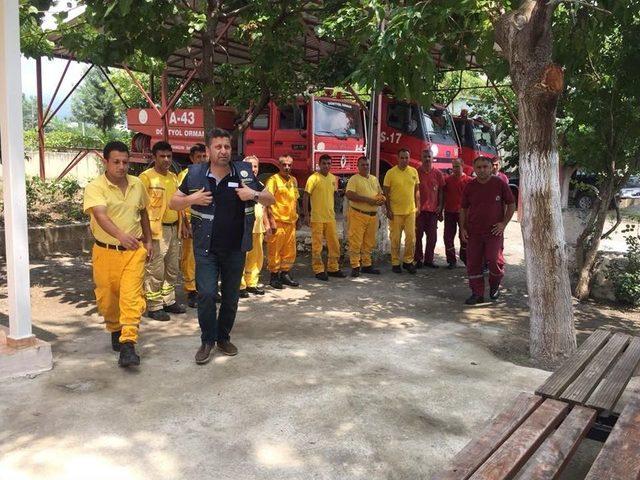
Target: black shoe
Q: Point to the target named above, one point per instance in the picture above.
(322, 276)
(419, 264)
(159, 315)
(128, 355)
(203, 355)
(175, 308)
(217, 298)
(431, 265)
(255, 290)
(494, 294)
(396, 269)
(115, 341)
(244, 293)
(337, 274)
(275, 281)
(355, 272)
(370, 270)
(474, 300)
(285, 278)
(227, 348)
(451, 265)
(409, 267)
(192, 299)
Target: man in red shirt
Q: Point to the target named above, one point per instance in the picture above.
(430, 210)
(453, 187)
(496, 171)
(486, 208)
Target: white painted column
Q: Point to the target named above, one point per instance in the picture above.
(15, 200)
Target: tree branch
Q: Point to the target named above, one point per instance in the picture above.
(583, 3)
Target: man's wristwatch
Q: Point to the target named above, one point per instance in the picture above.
(256, 196)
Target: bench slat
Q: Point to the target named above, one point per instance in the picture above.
(516, 450)
(556, 451)
(619, 458)
(489, 440)
(581, 388)
(609, 390)
(568, 372)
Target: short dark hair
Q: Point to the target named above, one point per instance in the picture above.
(198, 147)
(324, 156)
(362, 157)
(114, 146)
(165, 146)
(404, 150)
(482, 158)
(216, 133)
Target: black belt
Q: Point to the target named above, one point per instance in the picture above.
(120, 248)
(371, 214)
(170, 224)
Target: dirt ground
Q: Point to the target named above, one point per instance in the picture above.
(378, 377)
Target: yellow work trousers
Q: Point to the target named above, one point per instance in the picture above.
(362, 238)
(281, 248)
(162, 270)
(253, 263)
(399, 224)
(118, 277)
(188, 265)
(324, 231)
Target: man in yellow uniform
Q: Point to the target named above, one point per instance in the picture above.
(401, 189)
(255, 256)
(320, 188)
(283, 215)
(365, 196)
(162, 270)
(197, 154)
(117, 205)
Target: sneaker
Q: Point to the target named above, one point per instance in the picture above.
(159, 315)
(337, 274)
(494, 294)
(370, 270)
(474, 300)
(285, 278)
(243, 293)
(203, 355)
(192, 299)
(396, 269)
(419, 264)
(275, 281)
(255, 290)
(409, 267)
(431, 265)
(175, 308)
(227, 348)
(128, 355)
(322, 276)
(115, 341)
(451, 265)
(355, 272)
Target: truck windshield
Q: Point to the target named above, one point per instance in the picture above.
(438, 125)
(337, 119)
(484, 138)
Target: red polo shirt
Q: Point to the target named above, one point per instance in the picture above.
(485, 204)
(453, 188)
(430, 183)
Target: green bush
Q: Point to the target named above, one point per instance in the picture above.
(68, 138)
(626, 281)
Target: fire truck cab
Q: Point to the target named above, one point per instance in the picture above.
(416, 128)
(477, 139)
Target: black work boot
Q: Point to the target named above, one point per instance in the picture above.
(128, 355)
(192, 299)
(355, 272)
(159, 315)
(370, 270)
(285, 278)
(115, 341)
(409, 267)
(474, 300)
(337, 274)
(175, 307)
(275, 281)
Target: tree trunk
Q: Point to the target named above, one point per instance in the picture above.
(525, 38)
(208, 37)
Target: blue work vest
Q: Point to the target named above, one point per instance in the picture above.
(202, 217)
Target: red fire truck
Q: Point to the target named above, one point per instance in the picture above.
(305, 130)
(416, 128)
(477, 138)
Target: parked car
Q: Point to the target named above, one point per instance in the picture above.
(583, 190)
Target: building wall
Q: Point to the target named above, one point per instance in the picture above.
(55, 162)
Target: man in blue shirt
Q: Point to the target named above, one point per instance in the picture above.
(221, 195)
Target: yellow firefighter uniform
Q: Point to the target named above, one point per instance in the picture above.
(363, 220)
(321, 190)
(282, 245)
(403, 206)
(255, 256)
(187, 260)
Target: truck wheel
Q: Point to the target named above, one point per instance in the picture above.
(584, 202)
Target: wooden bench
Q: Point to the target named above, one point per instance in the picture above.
(536, 436)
